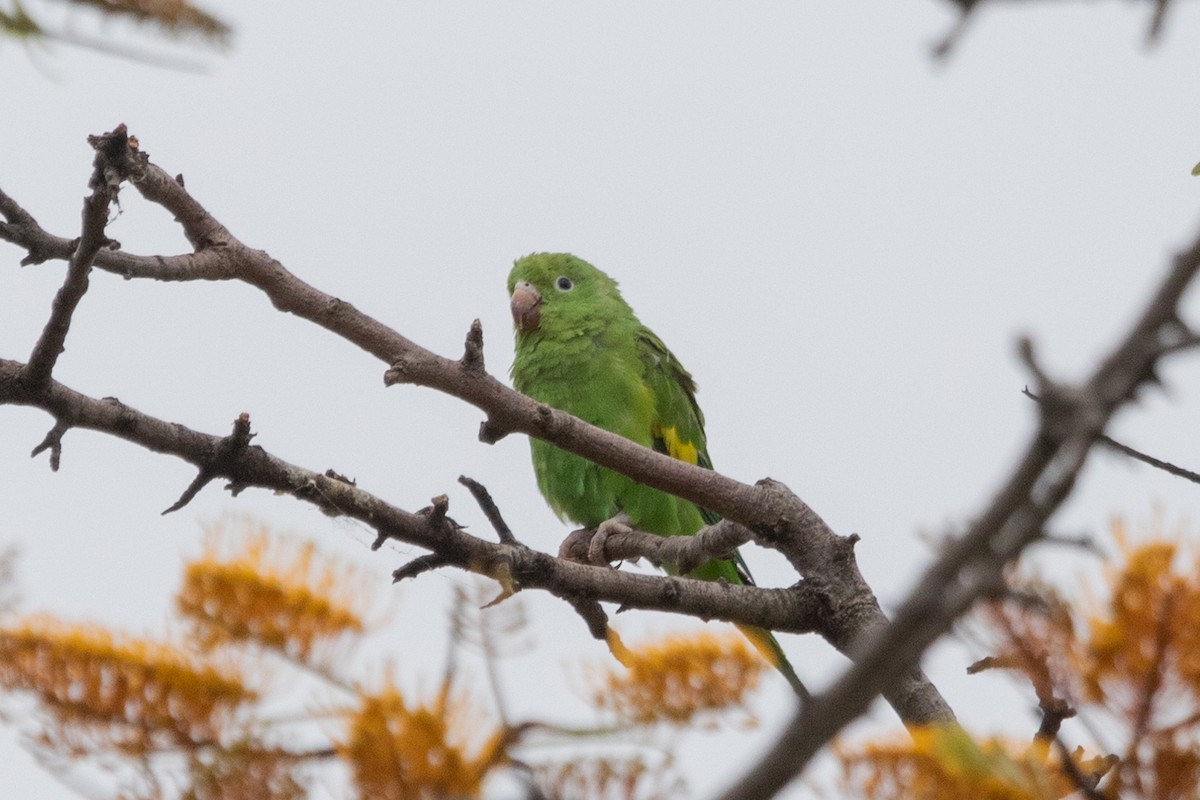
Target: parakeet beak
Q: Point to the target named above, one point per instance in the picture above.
(526, 306)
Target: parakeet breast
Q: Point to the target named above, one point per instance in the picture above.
(590, 378)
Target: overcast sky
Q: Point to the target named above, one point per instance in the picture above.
(839, 236)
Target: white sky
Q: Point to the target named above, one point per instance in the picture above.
(839, 237)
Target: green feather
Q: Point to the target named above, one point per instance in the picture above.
(590, 356)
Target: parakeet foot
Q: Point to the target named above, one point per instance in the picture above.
(618, 524)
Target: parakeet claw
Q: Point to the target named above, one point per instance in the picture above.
(618, 524)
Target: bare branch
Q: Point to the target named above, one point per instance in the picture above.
(798, 610)
(95, 217)
(682, 553)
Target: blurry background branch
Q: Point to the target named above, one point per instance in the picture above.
(178, 20)
(968, 9)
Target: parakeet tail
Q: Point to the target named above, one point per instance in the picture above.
(765, 642)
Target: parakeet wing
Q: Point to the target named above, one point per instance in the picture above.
(678, 428)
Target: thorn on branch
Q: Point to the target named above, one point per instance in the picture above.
(1062, 406)
(228, 450)
(1028, 356)
(472, 360)
(395, 374)
(942, 49)
(488, 505)
(437, 512)
(490, 432)
(417, 566)
(493, 429)
(53, 442)
(340, 478)
(986, 663)
(1082, 542)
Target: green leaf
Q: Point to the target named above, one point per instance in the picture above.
(1196, 170)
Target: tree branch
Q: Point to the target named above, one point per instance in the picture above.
(682, 553)
(796, 610)
(95, 217)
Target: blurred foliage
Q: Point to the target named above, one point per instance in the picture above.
(679, 679)
(267, 621)
(174, 19)
(1121, 673)
(206, 714)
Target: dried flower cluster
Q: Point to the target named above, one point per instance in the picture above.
(131, 695)
(609, 779)
(188, 711)
(1129, 668)
(402, 751)
(946, 762)
(177, 17)
(678, 678)
(272, 591)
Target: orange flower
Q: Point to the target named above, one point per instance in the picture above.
(679, 677)
(936, 762)
(275, 592)
(130, 694)
(398, 751)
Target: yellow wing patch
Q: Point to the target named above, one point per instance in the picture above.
(676, 447)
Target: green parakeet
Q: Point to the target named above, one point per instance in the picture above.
(580, 348)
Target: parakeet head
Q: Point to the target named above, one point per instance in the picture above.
(557, 292)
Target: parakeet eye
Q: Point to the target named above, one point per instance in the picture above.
(563, 284)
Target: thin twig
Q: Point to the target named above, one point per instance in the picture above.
(95, 217)
(53, 443)
(1157, 463)
(488, 505)
(1113, 444)
(418, 565)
